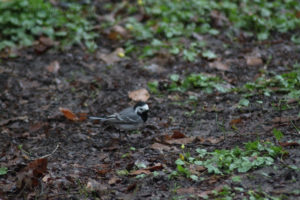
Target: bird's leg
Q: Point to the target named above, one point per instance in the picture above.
(125, 133)
(127, 138)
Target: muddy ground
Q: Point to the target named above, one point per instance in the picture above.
(84, 160)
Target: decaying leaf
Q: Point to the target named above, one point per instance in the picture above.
(53, 67)
(147, 170)
(113, 57)
(68, 114)
(160, 147)
(28, 178)
(140, 171)
(211, 140)
(219, 65)
(189, 190)
(117, 32)
(177, 134)
(254, 61)
(235, 121)
(214, 140)
(114, 180)
(94, 185)
(186, 140)
(139, 95)
(288, 144)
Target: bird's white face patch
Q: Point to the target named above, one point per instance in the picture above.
(141, 109)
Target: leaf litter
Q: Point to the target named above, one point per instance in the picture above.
(37, 117)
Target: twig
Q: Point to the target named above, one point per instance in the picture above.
(50, 154)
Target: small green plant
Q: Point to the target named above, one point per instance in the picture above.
(153, 87)
(175, 26)
(22, 22)
(278, 134)
(3, 170)
(206, 83)
(254, 155)
(287, 83)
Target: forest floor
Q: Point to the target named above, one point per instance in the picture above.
(48, 156)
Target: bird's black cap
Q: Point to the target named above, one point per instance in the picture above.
(139, 103)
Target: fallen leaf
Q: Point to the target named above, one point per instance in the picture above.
(205, 194)
(7, 121)
(298, 14)
(113, 57)
(214, 140)
(186, 140)
(139, 95)
(68, 114)
(287, 144)
(117, 32)
(114, 180)
(39, 166)
(46, 178)
(140, 171)
(219, 65)
(196, 169)
(190, 191)
(177, 134)
(253, 61)
(219, 19)
(46, 41)
(53, 67)
(285, 119)
(235, 121)
(93, 185)
(157, 166)
(131, 187)
(28, 178)
(43, 44)
(211, 140)
(37, 126)
(160, 147)
(103, 172)
(82, 116)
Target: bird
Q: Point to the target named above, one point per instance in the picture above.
(131, 118)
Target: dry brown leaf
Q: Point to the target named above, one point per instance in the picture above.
(157, 166)
(82, 116)
(29, 177)
(254, 61)
(53, 67)
(205, 194)
(285, 119)
(117, 32)
(190, 191)
(177, 134)
(186, 140)
(196, 169)
(131, 187)
(235, 121)
(214, 140)
(140, 171)
(46, 41)
(103, 172)
(94, 185)
(287, 144)
(139, 95)
(160, 147)
(219, 65)
(68, 114)
(113, 57)
(114, 180)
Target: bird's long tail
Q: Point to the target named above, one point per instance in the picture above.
(98, 118)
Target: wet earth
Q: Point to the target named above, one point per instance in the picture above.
(49, 156)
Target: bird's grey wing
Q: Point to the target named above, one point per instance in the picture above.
(128, 116)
